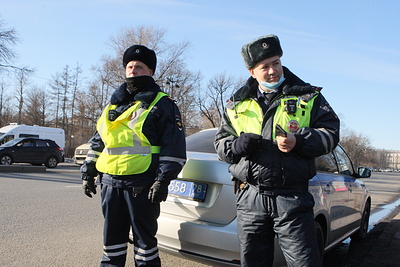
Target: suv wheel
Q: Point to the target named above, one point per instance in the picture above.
(51, 162)
(321, 239)
(363, 231)
(6, 160)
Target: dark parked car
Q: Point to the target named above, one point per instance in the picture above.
(31, 150)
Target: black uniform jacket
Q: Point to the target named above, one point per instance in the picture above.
(162, 127)
(273, 171)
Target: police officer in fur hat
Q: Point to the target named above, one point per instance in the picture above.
(273, 127)
(138, 149)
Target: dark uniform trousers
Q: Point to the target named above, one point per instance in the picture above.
(259, 217)
(123, 206)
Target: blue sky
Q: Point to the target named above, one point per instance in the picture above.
(350, 48)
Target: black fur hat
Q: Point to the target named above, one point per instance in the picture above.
(141, 53)
(261, 48)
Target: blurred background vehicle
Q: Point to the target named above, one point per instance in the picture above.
(17, 130)
(80, 153)
(31, 150)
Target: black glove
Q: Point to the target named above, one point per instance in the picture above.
(158, 192)
(88, 185)
(246, 144)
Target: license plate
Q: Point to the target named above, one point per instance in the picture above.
(192, 190)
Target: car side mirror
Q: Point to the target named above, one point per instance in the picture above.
(364, 172)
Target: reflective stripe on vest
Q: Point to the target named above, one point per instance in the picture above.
(246, 117)
(127, 150)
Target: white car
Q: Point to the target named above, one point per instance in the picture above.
(81, 153)
(198, 220)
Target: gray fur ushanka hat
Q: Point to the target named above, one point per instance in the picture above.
(261, 48)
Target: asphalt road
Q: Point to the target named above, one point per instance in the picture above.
(46, 220)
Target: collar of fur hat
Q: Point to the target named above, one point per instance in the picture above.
(147, 95)
(292, 85)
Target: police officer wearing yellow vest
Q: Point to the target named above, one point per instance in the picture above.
(138, 149)
(273, 128)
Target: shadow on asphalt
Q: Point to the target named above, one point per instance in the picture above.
(377, 249)
(63, 173)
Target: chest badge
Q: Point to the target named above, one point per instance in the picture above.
(293, 126)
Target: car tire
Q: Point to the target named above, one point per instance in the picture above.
(6, 160)
(363, 231)
(321, 239)
(51, 162)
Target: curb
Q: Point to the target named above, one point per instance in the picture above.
(22, 168)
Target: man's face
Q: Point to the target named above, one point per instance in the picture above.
(137, 68)
(269, 70)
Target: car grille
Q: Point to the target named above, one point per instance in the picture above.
(81, 152)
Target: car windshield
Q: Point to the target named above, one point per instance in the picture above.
(12, 142)
(201, 141)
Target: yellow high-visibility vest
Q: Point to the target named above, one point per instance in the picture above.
(292, 122)
(247, 116)
(127, 150)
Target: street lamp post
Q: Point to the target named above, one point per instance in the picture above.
(172, 84)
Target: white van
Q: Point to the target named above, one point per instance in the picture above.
(16, 130)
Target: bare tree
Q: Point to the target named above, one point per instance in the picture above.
(72, 129)
(88, 108)
(2, 102)
(7, 111)
(85, 114)
(109, 74)
(36, 107)
(212, 103)
(182, 88)
(65, 88)
(22, 76)
(55, 102)
(357, 146)
(170, 57)
(8, 38)
(103, 84)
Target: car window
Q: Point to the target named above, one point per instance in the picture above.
(26, 143)
(6, 139)
(11, 143)
(201, 141)
(28, 135)
(41, 143)
(343, 161)
(326, 163)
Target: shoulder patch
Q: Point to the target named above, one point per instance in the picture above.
(178, 121)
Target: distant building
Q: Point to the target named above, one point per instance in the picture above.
(393, 159)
